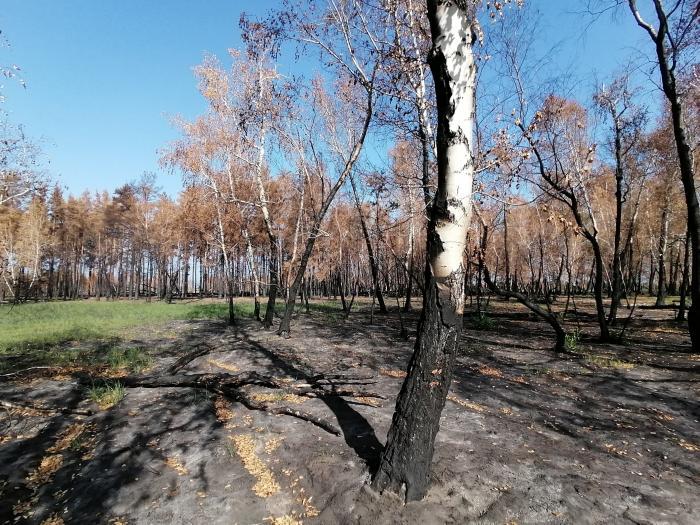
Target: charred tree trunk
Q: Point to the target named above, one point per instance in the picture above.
(598, 291)
(684, 280)
(505, 246)
(370, 251)
(665, 45)
(405, 462)
(616, 291)
(663, 242)
(274, 282)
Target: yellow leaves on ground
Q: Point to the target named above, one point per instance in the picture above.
(276, 397)
(688, 446)
(68, 437)
(309, 510)
(6, 438)
(467, 404)
(224, 414)
(175, 464)
(490, 371)
(44, 472)
(54, 519)
(392, 373)
(226, 366)
(273, 444)
(265, 484)
(615, 450)
(282, 520)
(371, 401)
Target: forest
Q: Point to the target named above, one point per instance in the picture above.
(419, 279)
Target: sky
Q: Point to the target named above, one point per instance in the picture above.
(105, 77)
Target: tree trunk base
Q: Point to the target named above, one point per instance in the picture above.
(694, 327)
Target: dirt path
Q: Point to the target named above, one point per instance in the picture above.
(526, 437)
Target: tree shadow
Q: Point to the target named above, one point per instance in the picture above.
(357, 431)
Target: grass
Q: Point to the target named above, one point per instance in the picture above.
(605, 362)
(90, 333)
(483, 322)
(45, 325)
(107, 395)
(101, 356)
(133, 359)
(571, 340)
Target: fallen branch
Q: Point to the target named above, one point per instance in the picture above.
(231, 386)
(185, 360)
(304, 416)
(30, 369)
(12, 405)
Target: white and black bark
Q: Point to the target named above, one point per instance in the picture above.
(405, 462)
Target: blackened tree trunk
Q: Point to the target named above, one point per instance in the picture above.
(684, 281)
(409, 285)
(405, 462)
(274, 282)
(285, 324)
(506, 253)
(229, 294)
(370, 251)
(668, 48)
(663, 242)
(616, 291)
(598, 290)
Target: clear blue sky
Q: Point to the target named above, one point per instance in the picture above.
(104, 75)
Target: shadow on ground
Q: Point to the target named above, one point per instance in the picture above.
(526, 436)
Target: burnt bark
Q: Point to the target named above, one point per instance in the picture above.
(616, 291)
(370, 251)
(405, 462)
(663, 242)
(408, 454)
(684, 280)
(274, 281)
(667, 54)
(285, 325)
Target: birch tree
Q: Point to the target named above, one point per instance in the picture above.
(201, 157)
(348, 35)
(626, 121)
(405, 462)
(345, 142)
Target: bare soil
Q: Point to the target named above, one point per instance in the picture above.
(609, 435)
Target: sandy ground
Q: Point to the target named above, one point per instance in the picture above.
(526, 436)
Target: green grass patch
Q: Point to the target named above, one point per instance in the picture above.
(134, 359)
(107, 395)
(571, 340)
(45, 325)
(605, 362)
(100, 356)
(483, 322)
(325, 307)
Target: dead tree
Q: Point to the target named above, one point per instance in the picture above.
(675, 25)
